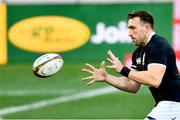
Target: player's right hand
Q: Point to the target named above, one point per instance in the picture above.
(98, 75)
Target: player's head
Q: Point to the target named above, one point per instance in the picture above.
(140, 23)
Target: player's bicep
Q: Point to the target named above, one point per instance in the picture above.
(157, 70)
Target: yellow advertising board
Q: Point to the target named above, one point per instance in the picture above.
(49, 34)
(3, 36)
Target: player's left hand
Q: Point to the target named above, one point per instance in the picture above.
(116, 63)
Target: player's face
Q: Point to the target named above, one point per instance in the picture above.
(137, 31)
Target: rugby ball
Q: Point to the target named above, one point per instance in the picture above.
(47, 65)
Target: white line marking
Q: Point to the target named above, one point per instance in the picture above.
(35, 92)
(62, 99)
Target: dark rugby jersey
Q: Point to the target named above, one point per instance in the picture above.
(158, 50)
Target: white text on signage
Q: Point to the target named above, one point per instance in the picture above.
(111, 34)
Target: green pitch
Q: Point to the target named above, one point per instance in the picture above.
(64, 96)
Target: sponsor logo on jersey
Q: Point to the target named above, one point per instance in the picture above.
(138, 60)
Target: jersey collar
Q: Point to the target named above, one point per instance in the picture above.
(153, 33)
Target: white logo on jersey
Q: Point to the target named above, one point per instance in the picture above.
(138, 60)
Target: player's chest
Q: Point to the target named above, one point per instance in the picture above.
(141, 59)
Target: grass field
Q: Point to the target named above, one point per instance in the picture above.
(65, 95)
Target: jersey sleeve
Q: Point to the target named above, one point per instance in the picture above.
(157, 54)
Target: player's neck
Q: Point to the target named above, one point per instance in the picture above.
(149, 36)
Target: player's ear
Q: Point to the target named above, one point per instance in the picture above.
(147, 27)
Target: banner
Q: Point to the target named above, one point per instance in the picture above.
(176, 30)
(106, 25)
(3, 34)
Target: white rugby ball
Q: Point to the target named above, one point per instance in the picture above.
(47, 65)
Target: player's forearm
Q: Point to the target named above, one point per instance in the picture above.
(122, 83)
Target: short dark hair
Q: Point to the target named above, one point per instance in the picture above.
(144, 16)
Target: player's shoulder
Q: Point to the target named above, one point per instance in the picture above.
(158, 39)
(159, 44)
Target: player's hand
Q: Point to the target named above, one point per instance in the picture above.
(116, 63)
(98, 75)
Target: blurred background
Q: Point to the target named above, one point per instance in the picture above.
(81, 31)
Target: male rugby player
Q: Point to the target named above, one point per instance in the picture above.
(153, 64)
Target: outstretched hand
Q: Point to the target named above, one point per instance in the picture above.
(97, 75)
(116, 63)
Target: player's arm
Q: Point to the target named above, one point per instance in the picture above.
(123, 83)
(152, 77)
(100, 75)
